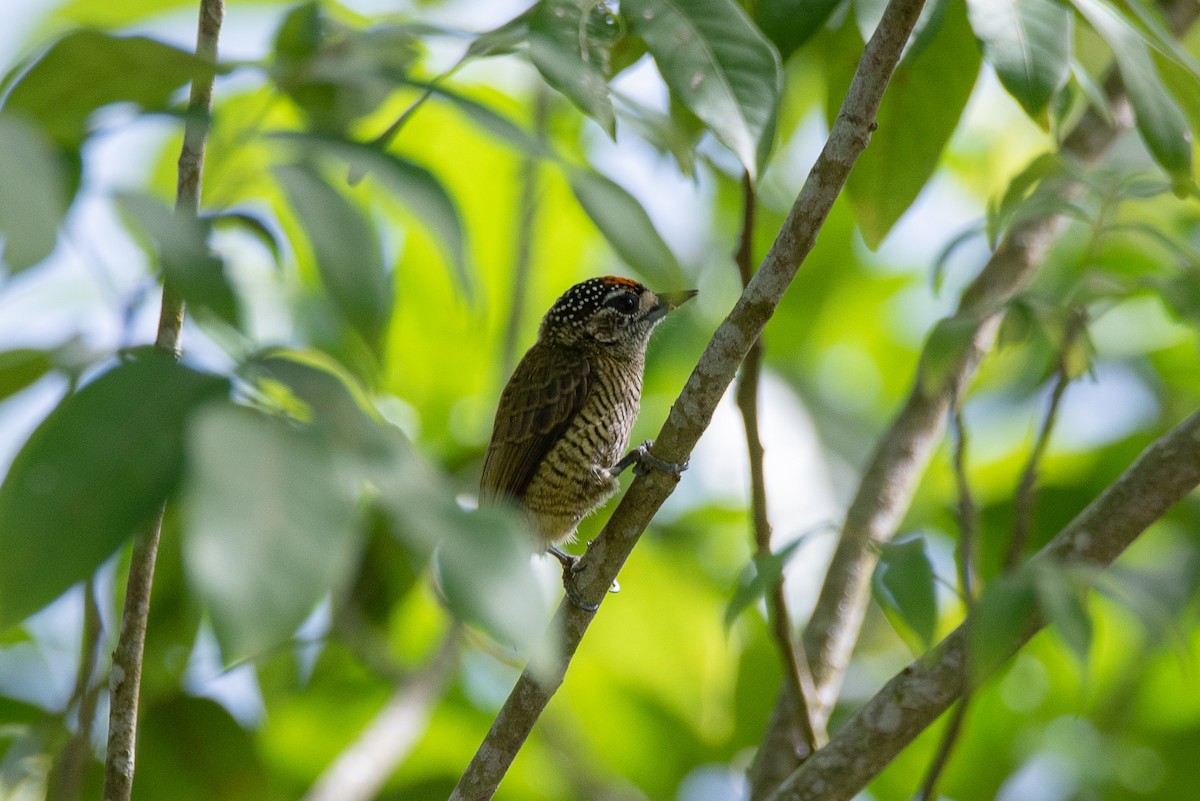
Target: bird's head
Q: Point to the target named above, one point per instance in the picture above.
(617, 314)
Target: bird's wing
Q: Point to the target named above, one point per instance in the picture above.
(545, 393)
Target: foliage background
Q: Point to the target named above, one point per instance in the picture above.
(665, 699)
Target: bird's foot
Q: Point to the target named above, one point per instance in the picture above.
(643, 462)
(572, 565)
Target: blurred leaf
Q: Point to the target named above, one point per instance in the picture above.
(661, 131)
(504, 39)
(416, 187)
(1093, 91)
(88, 69)
(570, 60)
(719, 65)
(181, 247)
(125, 13)
(791, 23)
(903, 585)
(1159, 119)
(95, 471)
(484, 569)
(760, 577)
(947, 343)
(488, 119)
(332, 398)
(625, 225)
(1002, 617)
(21, 367)
(938, 272)
(1060, 596)
(337, 74)
(1028, 42)
(269, 513)
(33, 194)
(925, 98)
(251, 224)
(1160, 37)
(1182, 295)
(1021, 194)
(346, 249)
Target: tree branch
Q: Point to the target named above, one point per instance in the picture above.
(126, 676)
(795, 664)
(693, 410)
(1162, 476)
(891, 476)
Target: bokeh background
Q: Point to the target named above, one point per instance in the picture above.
(670, 693)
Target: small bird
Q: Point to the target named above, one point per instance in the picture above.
(565, 417)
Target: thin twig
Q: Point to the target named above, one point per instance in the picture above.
(915, 697)
(795, 664)
(693, 410)
(126, 676)
(965, 512)
(67, 778)
(361, 769)
(966, 581)
(1023, 503)
(894, 470)
(523, 257)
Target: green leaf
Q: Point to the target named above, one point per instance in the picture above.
(35, 195)
(180, 244)
(1160, 121)
(760, 578)
(948, 342)
(719, 65)
(920, 111)
(570, 60)
(791, 23)
(903, 585)
(504, 39)
(625, 225)
(484, 568)
(96, 471)
(346, 249)
(21, 367)
(269, 522)
(1028, 42)
(251, 224)
(335, 73)
(1061, 599)
(999, 623)
(88, 69)
(416, 187)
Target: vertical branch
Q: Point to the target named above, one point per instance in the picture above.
(1026, 489)
(523, 257)
(966, 582)
(795, 664)
(126, 676)
(67, 778)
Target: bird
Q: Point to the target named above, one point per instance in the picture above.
(565, 417)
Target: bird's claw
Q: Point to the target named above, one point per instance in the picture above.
(572, 565)
(643, 462)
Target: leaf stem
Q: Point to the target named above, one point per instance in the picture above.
(126, 675)
(795, 664)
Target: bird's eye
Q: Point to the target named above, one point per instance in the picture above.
(624, 303)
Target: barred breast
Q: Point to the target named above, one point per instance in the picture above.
(574, 477)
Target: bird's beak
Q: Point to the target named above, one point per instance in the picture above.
(671, 301)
